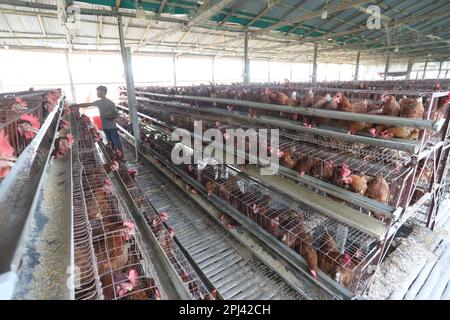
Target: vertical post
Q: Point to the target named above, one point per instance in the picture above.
(122, 40)
(69, 73)
(408, 70)
(440, 68)
(126, 57)
(314, 73)
(446, 72)
(425, 68)
(290, 71)
(212, 71)
(174, 66)
(358, 55)
(246, 61)
(386, 68)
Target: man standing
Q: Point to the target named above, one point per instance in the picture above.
(108, 113)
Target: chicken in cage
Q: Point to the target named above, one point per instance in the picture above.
(21, 117)
(122, 268)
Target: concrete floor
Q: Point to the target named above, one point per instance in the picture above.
(419, 266)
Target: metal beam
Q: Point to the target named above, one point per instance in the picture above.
(117, 6)
(440, 68)
(343, 5)
(100, 29)
(144, 35)
(162, 6)
(41, 25)
(127, 27)
(386, 67)
(207, 13)
(126, 57)
(174, 67)
(290, 71)
(314, 73)
(246, 60)
(183, 36)
(69, 74)
(425, 68)
(358, 55)
(408, 69)
(212, 68)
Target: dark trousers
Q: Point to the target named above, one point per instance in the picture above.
(113, 137)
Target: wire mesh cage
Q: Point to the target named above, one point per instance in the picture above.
(110, 240)
(353, 167)
(195, 231)
(342, 252)
(297, 225)
(21, 117)
(426, 84)
(164, 234)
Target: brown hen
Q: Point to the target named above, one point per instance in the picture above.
(411, 108)
(307, 251)
(358, 184)
(378, 189)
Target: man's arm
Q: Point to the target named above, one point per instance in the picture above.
(82, 105)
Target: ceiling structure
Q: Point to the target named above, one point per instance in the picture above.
(284, 30)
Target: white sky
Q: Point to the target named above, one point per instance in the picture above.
(20, 70)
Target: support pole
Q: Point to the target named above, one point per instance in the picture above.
(408, 70)
(290, 71)
(69, 73)
(174, 66)
(386, 68)
(246, 61)
(212, 69)
(358, 55)
(314, 73)
(440, 68)
(425, 68)
(126, 57)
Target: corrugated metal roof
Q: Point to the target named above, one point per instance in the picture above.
(209, 34)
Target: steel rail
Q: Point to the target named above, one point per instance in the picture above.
(314, 112)
(408, 146)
